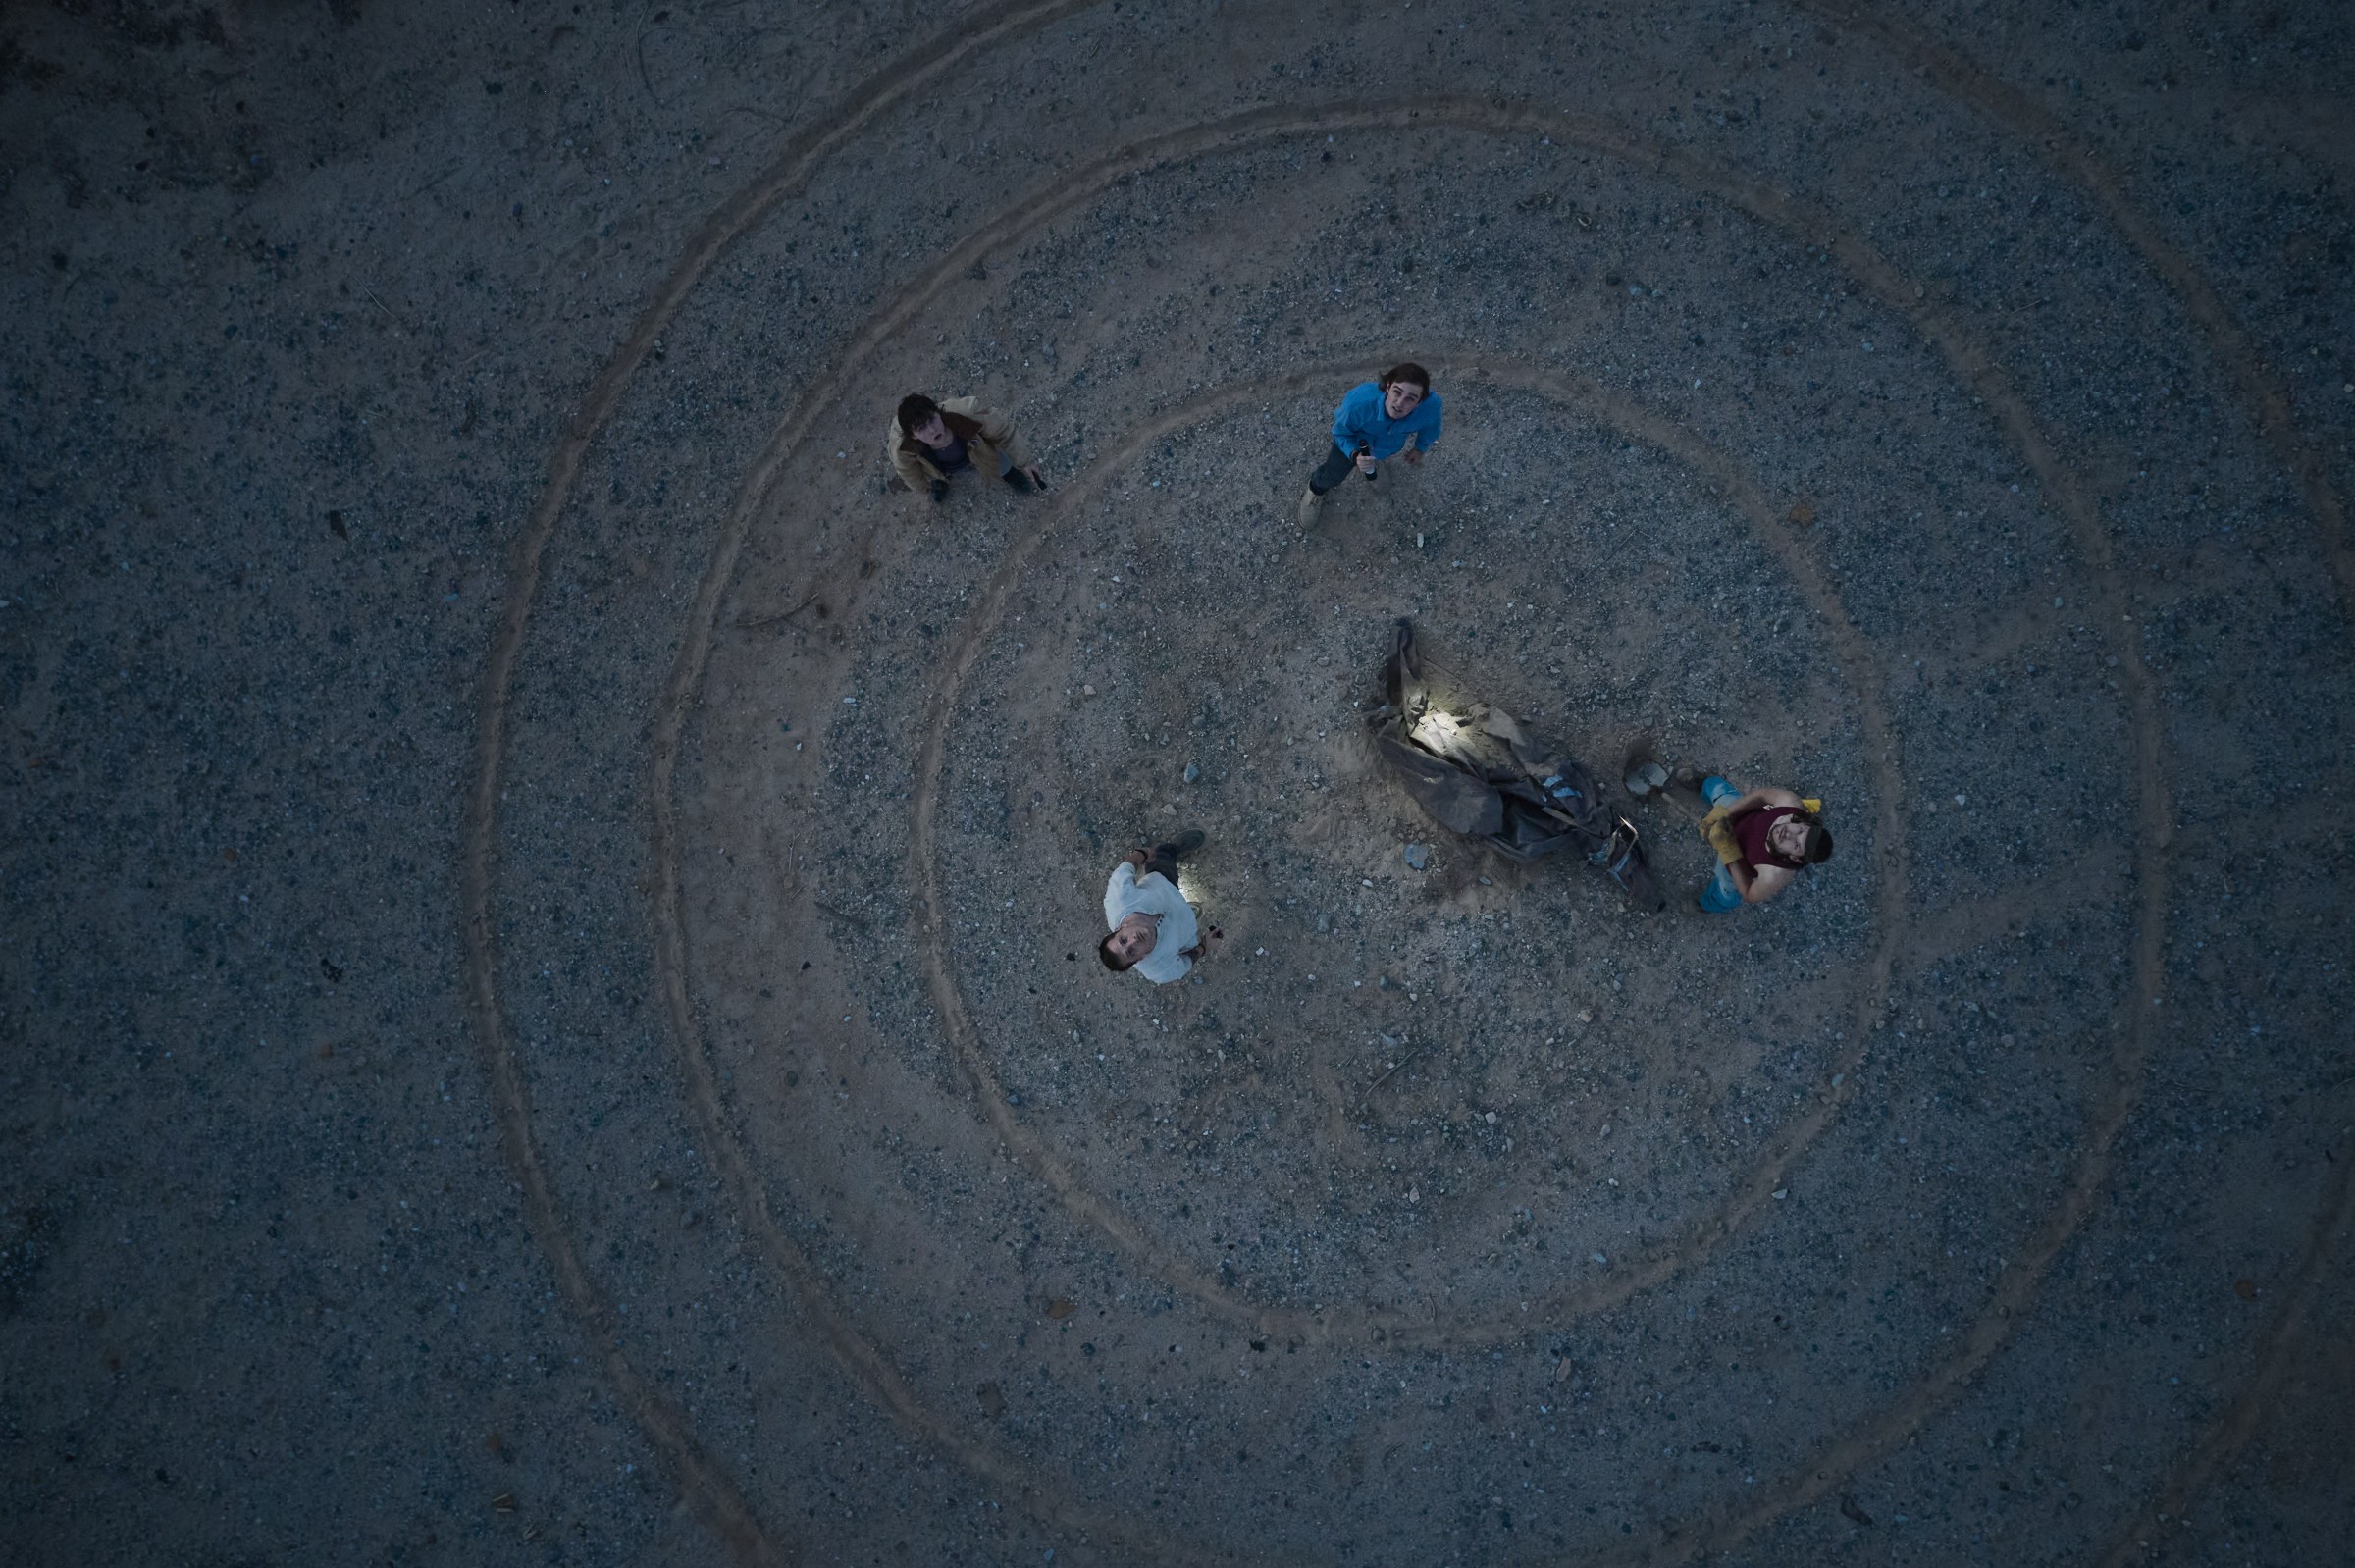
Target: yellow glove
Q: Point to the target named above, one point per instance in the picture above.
(1815, 807)
(1720, 834)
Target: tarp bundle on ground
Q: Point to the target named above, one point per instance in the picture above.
(1478, 773)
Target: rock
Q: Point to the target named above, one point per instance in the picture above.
(1193, 770)
(1417, 856)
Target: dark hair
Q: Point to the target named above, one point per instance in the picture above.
(1818, 847)
(1407, 370)
(914, 409)
(1104, 952)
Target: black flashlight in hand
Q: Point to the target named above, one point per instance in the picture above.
(1365, 448)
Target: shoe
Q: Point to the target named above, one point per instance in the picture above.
(1019, 481)
(1311, 503)
(1185, 843)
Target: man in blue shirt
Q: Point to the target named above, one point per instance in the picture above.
(1376, 420)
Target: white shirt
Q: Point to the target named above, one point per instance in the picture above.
(1126, 895)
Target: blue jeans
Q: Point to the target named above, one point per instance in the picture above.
(1338, 466)
(1719, 894)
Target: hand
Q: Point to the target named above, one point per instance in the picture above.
(940, 491)
(1365, 462)
(1414, 454)
(1720, 835)
(1135, 857)
(1036, 478)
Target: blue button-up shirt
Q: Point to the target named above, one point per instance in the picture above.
(1361, 417)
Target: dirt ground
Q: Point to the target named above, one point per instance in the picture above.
(550, 1013)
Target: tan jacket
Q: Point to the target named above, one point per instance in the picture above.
(986, 434)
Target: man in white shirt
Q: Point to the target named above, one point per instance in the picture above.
(1152, 926)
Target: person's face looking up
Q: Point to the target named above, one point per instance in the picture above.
(933, 433)
(1789, 838)
(1134, 937)
(1400, 397)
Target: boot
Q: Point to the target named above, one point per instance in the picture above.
(1310, 505)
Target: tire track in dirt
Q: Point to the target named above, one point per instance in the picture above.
(1969, 360)
(2269, 401)
(2008, 106)
(1416, 1327)
(705, 1485)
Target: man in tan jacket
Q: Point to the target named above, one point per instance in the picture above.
(930, 442)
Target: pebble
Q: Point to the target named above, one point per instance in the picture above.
(1417, 857)
(1194, 771)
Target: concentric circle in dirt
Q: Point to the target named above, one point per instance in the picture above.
(886, 795)
(1381, 1051)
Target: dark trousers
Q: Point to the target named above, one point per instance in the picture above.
(1338, 466)
(1161, 858)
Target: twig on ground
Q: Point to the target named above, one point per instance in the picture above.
(753, 623)
(1367, 1098)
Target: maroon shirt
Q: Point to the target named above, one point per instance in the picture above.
(1750, 831)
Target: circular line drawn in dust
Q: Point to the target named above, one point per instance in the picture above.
(707, 1486)
(1408, 1328)
(1972, 363)
(2271, 411)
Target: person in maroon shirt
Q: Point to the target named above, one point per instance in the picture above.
(1762, 839)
